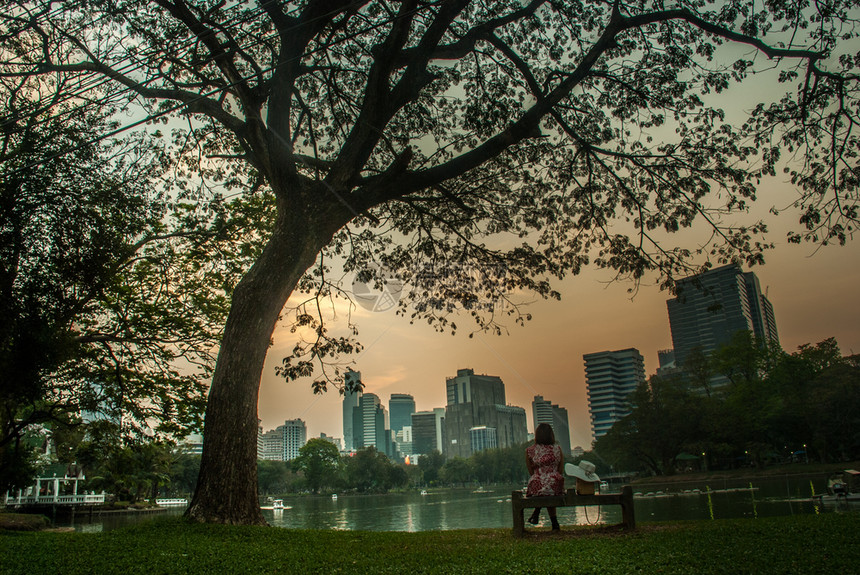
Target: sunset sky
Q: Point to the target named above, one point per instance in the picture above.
(813, 291)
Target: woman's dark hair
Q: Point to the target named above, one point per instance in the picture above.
(544, 434)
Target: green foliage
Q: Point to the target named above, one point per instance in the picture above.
(99, 305)
(132, 471)
(764, 545)
(276, 478)
(369, 470)
(408, 135)
(773, 404)
(183, 475)
(318, 460)
(458, 471)
(430, 465)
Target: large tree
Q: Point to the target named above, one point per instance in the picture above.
(110, 300)
(406, 132)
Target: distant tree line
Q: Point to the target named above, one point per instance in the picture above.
(321, 469)
(774, 407)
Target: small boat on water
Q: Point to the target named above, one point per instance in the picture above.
(843, 486)
(423, 492)
(334, 495)
(277, 505)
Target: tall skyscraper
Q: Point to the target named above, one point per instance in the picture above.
(368, 418)
(711, 307)
(401, 406)
(295, 437)
(428, 431)
(611, 376)
(475, 401)
(350, 402)
(544, 411)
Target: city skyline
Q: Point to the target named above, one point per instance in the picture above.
(812, 291)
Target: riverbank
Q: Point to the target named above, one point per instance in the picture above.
(797, 544)
(747, 474)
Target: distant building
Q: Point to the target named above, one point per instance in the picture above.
(483, 437)
(401, 406)
(350, 402)
(404, 439)
(712, 307)
(192, 444)
(475, 401)
(283, 442)
(333, 440)
(544, 411)
(428, 431)
(369, 419)
(295, 437)
(273, 445)
(611, 376)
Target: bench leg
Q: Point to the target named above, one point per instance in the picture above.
(519, 523)
(628, 517)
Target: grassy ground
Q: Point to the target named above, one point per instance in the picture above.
(814, 544)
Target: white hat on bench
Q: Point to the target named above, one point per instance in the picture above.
(584, 471)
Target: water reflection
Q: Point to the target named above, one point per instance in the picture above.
(464, 509)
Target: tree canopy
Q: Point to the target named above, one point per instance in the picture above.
(112, 296)
(406, 133)
(318, 460)
(785, 404)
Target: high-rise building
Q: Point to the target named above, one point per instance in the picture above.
(544, 411)
(611, 376)
(428, 431)
(713, 306)
(283, 443)
(295, 437)
(350, 402)
(401, 406)
(475, 401)
(273, 445)
(369, 419)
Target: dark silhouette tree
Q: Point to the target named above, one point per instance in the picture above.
(407, 132)
(107, 297)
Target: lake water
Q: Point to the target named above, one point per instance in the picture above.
(491, 507)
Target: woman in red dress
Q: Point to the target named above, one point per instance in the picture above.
(545, 462)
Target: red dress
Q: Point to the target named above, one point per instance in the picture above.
(546, 479)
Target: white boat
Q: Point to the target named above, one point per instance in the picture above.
(423, 492)
(334, 495)
(277, 505)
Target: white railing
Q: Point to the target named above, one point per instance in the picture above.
(82, 499)
(171, 502)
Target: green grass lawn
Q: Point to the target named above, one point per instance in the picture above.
(815, 544)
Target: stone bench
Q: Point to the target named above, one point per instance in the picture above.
(519, 502)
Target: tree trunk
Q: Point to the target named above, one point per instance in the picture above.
(227, 485)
